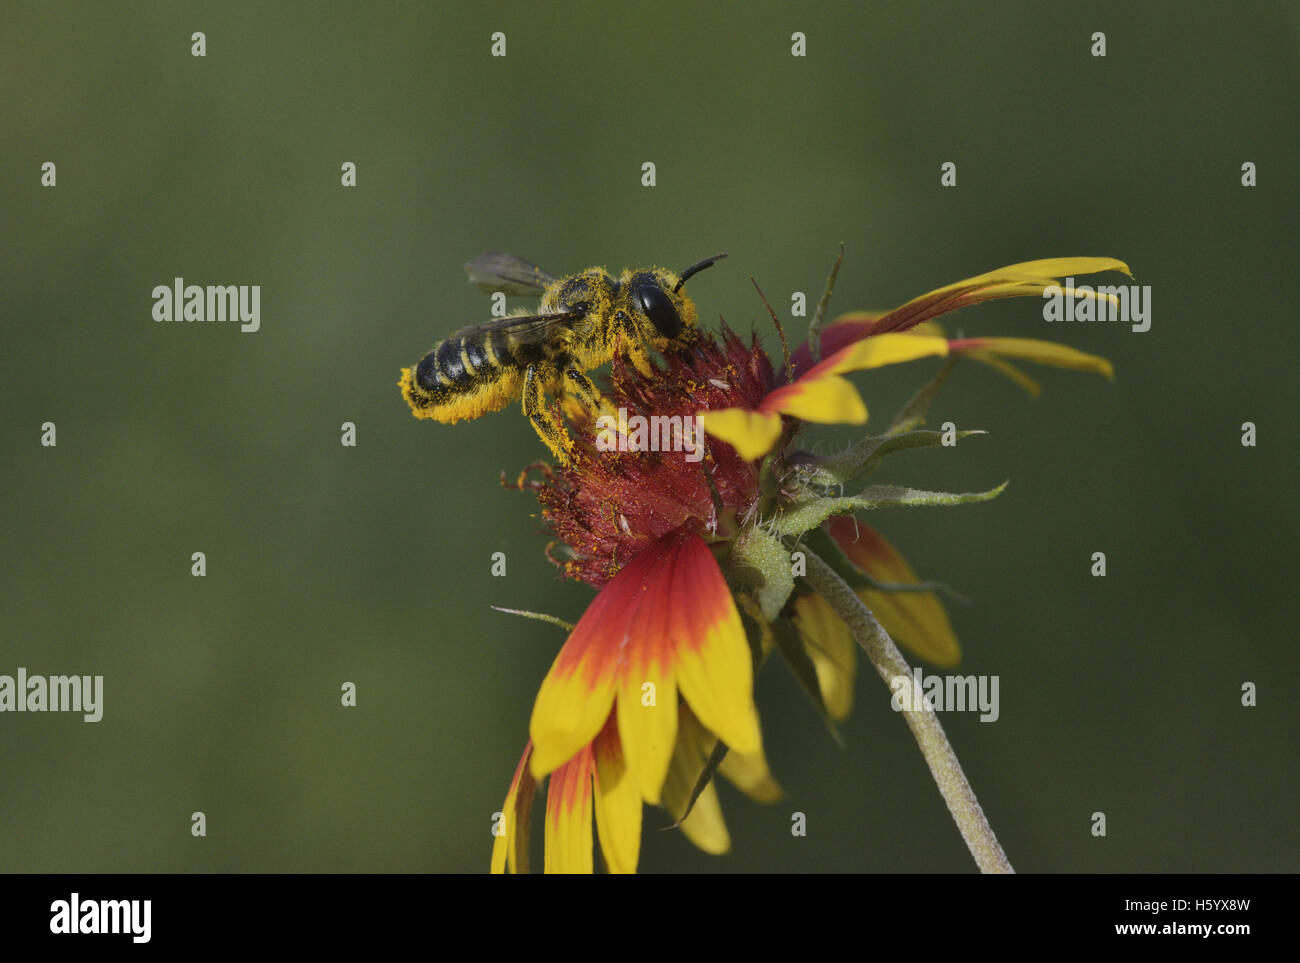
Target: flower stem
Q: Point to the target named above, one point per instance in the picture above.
(923, 722)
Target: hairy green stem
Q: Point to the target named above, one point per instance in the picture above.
(923, 722)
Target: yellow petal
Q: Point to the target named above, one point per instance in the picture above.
(647, 724)
(1059, 267)
(510, 846)
(751, 433)
(822, 396)
(1006, 369)
(819, 395)
(833, 652)
(704, 826)
(1044, 352)
(618, 804)
(827, 400)
(568, 816)
(931, 328)
(749, 773)
(1026, 279)
(916, 620)
(883, 349)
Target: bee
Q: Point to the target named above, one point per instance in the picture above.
(583, 320)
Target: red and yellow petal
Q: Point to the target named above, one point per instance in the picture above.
(714, 665)
(647, 694)
(666, 619)
(618, 804)
(510, 846)
(874, 352)
(617, 643)
(578, 693)
(916, 620)
(594, 779)
(568, 816)
(1026, 279)
(839, 334)
(820, 395)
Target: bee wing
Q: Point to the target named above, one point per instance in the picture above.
(525, 329)
(495, 271)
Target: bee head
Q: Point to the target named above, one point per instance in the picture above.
(660, 308)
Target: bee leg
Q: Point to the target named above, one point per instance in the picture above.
(631, 349)
(581, 387)
(640, 359)
(545, 423)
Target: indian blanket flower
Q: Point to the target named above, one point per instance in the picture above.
(665, 624)
(864, 340)
(713, 543)
(822, 394)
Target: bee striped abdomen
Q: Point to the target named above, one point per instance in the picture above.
(460, 378)
(443, 369)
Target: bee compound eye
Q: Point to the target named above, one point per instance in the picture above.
(658, 307)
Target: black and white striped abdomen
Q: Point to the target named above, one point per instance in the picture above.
(456, 365)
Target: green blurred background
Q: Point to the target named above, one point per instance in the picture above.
(371, 564)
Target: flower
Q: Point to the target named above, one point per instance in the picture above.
(594, 779)
(1027, 279)
(819, 395)
(659, 667)
(666, 623)
(670, 508)
(609, 505)
(868, 340)
(595, 782)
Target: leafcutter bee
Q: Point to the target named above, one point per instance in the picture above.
(582, 321)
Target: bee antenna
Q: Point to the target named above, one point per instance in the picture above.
(696, 268)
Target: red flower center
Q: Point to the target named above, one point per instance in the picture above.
(649, 468)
